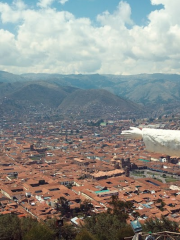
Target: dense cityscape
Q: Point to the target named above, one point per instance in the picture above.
(45, 163)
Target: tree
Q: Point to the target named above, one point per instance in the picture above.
(106, 226)
(161, 207)
(68, 232)
(85, 235)
(112, 224)
(69, 185)
(14, 228)
(120, 208)
(65, 231)
(159, 225)
(64, 206)
(86, 206)
(10, 227)
(39, 232)
(27, 224)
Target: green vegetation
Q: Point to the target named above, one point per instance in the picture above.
(162, 204)
(155, 174)
(13, 228)
(85, 235)
(170, 179)
(159, 225)
(110, 225)
(63, 206)
(138, 174)
(97, 123)
(158, 179)
(70, 185)
(106, 226)
(35, 158)
(86, 207)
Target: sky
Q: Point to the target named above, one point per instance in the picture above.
(90, 36)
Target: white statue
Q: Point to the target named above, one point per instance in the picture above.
(157, 140)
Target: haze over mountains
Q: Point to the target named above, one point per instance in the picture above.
(142, 88)
(77, 93)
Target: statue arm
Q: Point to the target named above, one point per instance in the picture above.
(133, 133)
(156, 140)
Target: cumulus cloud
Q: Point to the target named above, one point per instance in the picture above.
(121, 16)
(48, 40)
(12, 13)
(63, 1)
(45, 3)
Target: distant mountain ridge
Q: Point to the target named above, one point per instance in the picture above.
(6, 77)
(43, 96)
(146, 89)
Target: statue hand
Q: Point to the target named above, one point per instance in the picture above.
(133, 133)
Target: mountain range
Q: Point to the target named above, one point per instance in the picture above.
(143, 88)
(38, 96)
(88, 92)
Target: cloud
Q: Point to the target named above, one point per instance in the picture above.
(121, 16)
(48, 40)
(45, 3)
(12, 13)
(63, 1)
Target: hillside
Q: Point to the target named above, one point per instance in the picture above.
(36, 94)
(44, 98)
(97, 102)
(146, 89)
(87, 98)
(9, 88)
(150, 90)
